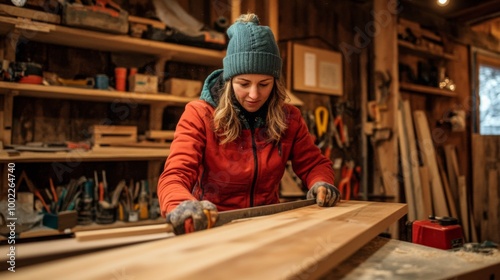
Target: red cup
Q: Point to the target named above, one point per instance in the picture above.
(120, 78)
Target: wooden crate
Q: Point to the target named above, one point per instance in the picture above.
(110, 134)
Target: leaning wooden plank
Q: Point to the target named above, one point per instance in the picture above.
(302, 243)
(405, 165)
(446, 186)
(464, 208)
(493, 204)
(414, 162)
(429, 155)
(452, 170)
(426, 190)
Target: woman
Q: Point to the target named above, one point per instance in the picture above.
(231, 147)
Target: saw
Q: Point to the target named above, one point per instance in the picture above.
(223, 218)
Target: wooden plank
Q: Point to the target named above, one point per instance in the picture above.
(75, 37)
(452, 169)
(406, 166)
(493, 206)
(452, 208)
(96, 154)
(426, 190)
(414, 162)
(29, 13)
(305, 243)
(429, 155)
(122, 232)
(44, 251)
(71, 93)
(427, 90)
(464, 208)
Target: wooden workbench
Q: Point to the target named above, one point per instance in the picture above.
(392, 259)
(305, 242)
(311, 242)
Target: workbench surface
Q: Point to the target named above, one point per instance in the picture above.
(393, 259)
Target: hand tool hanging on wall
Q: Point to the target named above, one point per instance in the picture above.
(349, 184)
(321, 116)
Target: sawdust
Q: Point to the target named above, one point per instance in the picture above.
(471, 257)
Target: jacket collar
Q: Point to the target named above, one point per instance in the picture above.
(211, 92)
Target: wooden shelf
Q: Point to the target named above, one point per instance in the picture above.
(96, 154)
(426, 90)
(79, 38)
(61, 92)
(411, 48)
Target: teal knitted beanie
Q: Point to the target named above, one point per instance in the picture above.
(252, 49)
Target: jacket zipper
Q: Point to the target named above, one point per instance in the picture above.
(256, 168)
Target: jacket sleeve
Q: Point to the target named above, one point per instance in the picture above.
(307, 161)
(181, 168)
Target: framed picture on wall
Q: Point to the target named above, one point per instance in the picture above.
(317, 70)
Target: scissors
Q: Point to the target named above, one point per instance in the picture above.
(345, 183)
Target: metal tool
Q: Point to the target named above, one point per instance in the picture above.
(224, 218)
(228, 216)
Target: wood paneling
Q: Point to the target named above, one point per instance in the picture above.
(486, 163)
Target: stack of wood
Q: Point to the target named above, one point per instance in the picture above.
(434, 186)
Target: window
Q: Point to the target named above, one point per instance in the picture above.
(488, 94)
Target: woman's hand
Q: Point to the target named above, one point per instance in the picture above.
(192, 215)
(326, 195)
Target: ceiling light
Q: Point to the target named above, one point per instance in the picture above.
(443, 2)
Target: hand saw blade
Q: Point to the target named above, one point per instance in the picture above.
(231, 215)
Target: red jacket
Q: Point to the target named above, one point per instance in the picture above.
(240, 174)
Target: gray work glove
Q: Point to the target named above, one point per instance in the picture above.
(190, 216)
(327, 195)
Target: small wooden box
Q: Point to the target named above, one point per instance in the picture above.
(143, 83)
(183, 87)
(111, 134)
(61, 220)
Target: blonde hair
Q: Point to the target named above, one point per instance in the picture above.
(228, 126)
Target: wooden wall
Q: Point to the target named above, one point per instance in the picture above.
(328, 24)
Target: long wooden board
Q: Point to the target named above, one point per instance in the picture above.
(428, 152)
(302, 243)
(464, 208)
(405, 165)
(414, 162)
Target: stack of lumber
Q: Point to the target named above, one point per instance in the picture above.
(303, 243)
(434, 185)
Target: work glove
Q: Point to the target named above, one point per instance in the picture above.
(192, 215)
(326, 195)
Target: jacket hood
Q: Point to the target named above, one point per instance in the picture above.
(210, 91)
